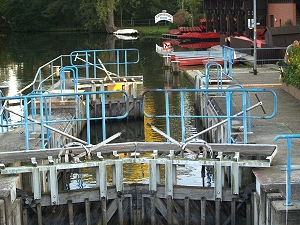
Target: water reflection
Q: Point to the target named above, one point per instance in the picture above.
(22, 54)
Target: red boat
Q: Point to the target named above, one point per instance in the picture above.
(201, 44)
(192, 61)
(198, 36)
(198, 58)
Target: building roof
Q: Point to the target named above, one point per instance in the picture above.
(283, 30)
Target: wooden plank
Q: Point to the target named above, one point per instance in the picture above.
(180, 192)
(111, 209)
(161, 207)
(245, 150)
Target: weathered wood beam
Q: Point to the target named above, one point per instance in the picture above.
(71, 212)
(87, 211)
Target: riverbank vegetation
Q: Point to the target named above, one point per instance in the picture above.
(292, 72)
(88, 15)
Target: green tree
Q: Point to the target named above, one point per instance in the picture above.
(192, 6)
(63, 13)
(292, 72)
(26, 16)
(99, 13)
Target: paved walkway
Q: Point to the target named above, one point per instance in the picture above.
(286, 121)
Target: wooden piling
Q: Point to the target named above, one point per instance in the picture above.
(233, 210)
(39, 211)
(71, 212)
(248, 213)
(2, 212)
(104, 214)
(186, 210)
(87, 211)
(175, 66)
(120, 210)
(203, 210)
(218, 211)
(167, 60)
(24, 217)
(153, 220)
(169, 210)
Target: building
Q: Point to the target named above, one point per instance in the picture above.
(232, 17)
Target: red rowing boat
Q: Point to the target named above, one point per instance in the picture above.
(198, 36)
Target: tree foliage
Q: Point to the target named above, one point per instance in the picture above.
(92, 15)
(292, 72)
(181, 18)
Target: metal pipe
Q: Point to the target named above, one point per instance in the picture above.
(170, 139)
(254, 38)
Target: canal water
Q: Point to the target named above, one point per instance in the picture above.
(21, 54)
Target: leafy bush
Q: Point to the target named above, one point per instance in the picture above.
(292, 72)
(182, 18)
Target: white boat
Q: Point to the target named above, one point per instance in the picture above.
(126, 32)
(126, 37)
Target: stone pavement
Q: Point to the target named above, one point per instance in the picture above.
(286, 121)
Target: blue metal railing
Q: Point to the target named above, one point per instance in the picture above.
(44, 117)
(47, 76)
(229, 57)
(244, 115)
(289, 168)
(92, 59)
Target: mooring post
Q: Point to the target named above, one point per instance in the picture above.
(167, 60)
(175, 66)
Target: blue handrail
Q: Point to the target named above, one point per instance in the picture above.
(92, 59)
(289, 168)
(45, 118)
(229, 99)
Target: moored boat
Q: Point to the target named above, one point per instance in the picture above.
(198, 36)
(192, 58)
(126, 32)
